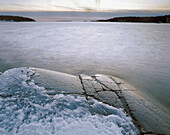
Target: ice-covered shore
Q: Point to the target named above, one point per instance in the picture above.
(26, 108)
(48, 102)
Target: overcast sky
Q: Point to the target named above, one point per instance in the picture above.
(78, 5)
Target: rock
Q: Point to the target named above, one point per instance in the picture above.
(110, 90)
(87, 85)
(86, 77)
(107, 82)
(110, 98)
(90, 85)
(97, 86)
(57, 83)
(148, 116)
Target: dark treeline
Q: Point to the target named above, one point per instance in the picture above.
(15, 18)
(157, 19)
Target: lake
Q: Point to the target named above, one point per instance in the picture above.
(135, 52)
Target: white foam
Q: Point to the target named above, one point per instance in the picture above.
(26, 109)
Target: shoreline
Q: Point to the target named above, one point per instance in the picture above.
(107, 89)
(9, 18)
(136, 19)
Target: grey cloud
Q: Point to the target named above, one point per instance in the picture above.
(65, 7)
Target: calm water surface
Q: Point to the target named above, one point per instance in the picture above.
(138, 53)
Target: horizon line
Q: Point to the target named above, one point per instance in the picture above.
(85, 10)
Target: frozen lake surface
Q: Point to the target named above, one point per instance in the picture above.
(137, 53)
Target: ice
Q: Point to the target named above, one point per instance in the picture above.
(26, 109)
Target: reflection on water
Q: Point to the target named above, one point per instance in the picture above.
(138, 53)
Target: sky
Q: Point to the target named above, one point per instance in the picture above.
(83, 5)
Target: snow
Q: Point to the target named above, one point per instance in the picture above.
(26, 109)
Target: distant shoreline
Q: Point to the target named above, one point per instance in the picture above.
(157, 19)
(131, 19)
(8, 18)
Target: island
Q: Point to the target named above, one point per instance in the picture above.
(156, 19)
(8, 18)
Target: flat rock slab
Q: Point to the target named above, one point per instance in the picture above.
(107, 82)
(151, 118)
(110, 98)
(57, 83)
(90, 85)
(110, 90)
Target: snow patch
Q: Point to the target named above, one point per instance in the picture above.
(26, 109)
